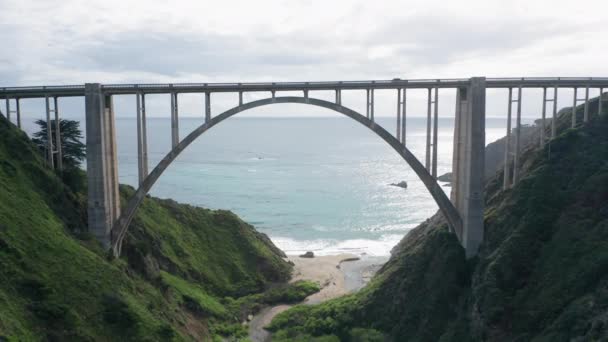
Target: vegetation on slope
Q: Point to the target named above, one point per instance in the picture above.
(542, 272)
(184, 275)
(216, 249)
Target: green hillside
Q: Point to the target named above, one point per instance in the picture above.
(184, 274)
(542, 273)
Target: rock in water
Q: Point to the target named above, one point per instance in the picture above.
(446, 177)
(308, 254)
(402, 184)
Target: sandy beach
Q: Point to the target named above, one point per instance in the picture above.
(337, 274)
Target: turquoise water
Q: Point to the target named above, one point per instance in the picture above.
(318, 184)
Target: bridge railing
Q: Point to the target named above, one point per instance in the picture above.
(397, 83)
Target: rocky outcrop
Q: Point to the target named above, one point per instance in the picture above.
(308, 254)
(446, 177)
(402, 184)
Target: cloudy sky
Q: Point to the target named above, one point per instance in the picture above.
(128, 41)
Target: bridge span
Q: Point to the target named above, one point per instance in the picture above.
(464, 211)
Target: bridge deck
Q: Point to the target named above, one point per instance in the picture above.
(116, 89)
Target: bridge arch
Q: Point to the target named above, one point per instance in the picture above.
(448, 210)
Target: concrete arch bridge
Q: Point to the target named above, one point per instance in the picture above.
(463, 211)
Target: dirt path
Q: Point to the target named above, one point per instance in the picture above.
(337, 275)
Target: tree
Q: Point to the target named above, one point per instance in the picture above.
(72, 148)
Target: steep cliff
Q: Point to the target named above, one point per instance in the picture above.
(541, 275)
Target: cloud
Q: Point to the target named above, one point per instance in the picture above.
(117, 41)
(172, 55)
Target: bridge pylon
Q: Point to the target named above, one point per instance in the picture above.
(468, 163)
(102, 164)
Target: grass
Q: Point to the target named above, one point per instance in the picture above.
(179, 262)
(282, 294)
(51, 285)
(216, 249)
(194, 297)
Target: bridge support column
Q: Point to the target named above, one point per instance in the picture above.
(144, 136)
(8, 109)
(208, 105)
(429, 102)
(174, 121)
(599, 105)
(58, 147)
(140, 148)
(517, 139)
(18, 112)
(435, 129)
(49, 134)
(102, 167)
(544, 115)
(404, 116)
(574, 107)
(586, 113)
(398, 115)
(553, 124)
(468, 163)
(507, 173)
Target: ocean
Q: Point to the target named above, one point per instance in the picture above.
(320, 184)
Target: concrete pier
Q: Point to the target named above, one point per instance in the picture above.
(506, 184)
(18, 112)
(427, 163)
(553, 121)
(49, 136)
(404, 117)
(111, 158)
(371, 104)
(544, 115)
(140, 151)
(208, 106)
(102, 169)
(144, 136)
(517, 149)
(174, 121)
(574, 107)
(600, 102)
(398, 135)
(58, 147)
(586, 112)
(8, 109)
(367, 103)
(468, 163)
(435, 129)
